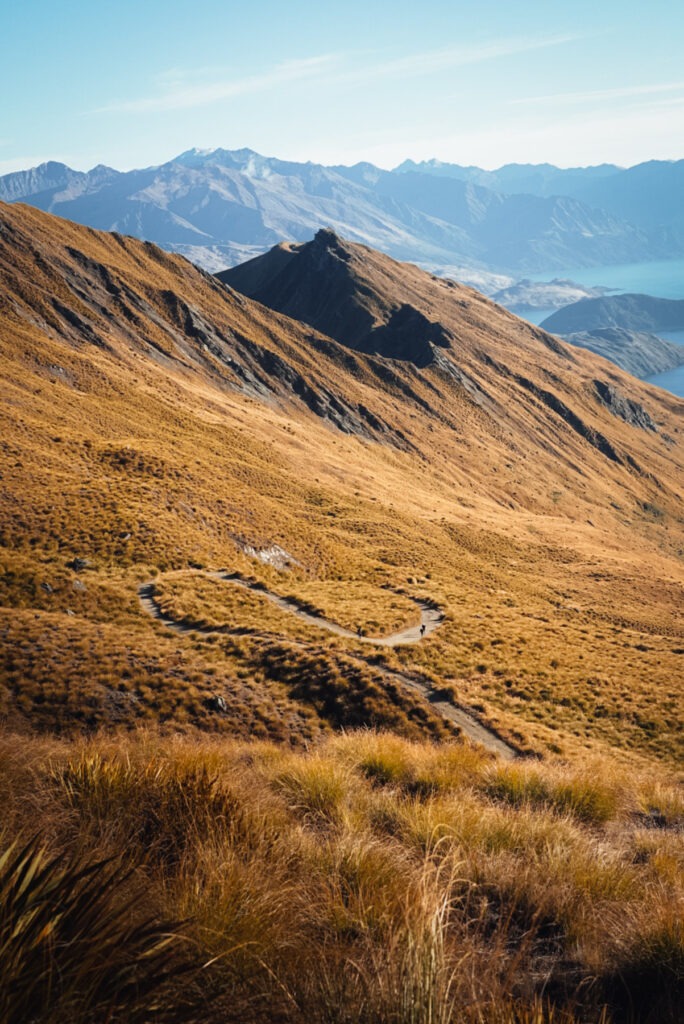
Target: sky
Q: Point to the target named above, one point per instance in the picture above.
(133, 83)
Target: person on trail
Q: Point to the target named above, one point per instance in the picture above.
(422, 630)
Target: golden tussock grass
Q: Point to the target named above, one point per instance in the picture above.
(372, 878)
(322, 874)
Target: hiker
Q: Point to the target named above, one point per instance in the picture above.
(422, 630)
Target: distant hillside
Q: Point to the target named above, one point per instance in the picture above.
(647, 195)
(637, 352)
(220, 207)
(629, 312)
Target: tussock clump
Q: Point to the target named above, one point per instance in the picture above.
(646, 981)
(74, 946)
(586, 797)
(157, 807)
(315, 788)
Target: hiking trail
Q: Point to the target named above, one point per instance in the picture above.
(431, 617)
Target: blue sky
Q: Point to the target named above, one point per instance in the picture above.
(131, 84)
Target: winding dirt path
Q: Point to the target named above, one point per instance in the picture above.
(431, 618)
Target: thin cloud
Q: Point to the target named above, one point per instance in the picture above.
(453, 56)
(177, 90)
(626, 137)
(184, 96)
(592, 96)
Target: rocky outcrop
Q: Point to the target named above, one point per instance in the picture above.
(629, 411)
(324, 284)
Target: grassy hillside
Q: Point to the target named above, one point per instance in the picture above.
(246, 816)
(155, 421)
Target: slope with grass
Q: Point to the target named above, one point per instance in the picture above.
(163, 607)
(369, 879)
(157, 420)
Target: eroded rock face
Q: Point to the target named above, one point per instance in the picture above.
(629, 411)
(407, 335)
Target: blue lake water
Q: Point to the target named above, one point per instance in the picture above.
(671, 380)
(664, 278)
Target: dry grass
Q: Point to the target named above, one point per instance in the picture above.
(355, 877)
(142, 453)
(373, 878)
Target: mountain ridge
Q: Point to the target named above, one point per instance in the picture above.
(629, 311)
(212, 204)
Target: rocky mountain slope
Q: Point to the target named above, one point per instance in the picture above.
(404, 440)
(375, 305)
(629, 312)
(637, 352)
(220, 206)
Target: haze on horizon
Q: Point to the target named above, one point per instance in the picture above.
(131, 85)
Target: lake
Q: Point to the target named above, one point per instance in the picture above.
(663, 278)
(671, 380)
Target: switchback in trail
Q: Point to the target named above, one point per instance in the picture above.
(431, 618)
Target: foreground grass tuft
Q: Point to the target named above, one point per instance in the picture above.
(72, 946)
(371, 878)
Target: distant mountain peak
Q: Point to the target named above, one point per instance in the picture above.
(218, 206)
(234, 158)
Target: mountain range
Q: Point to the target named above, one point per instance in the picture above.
(219, 207)
(645, 195)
